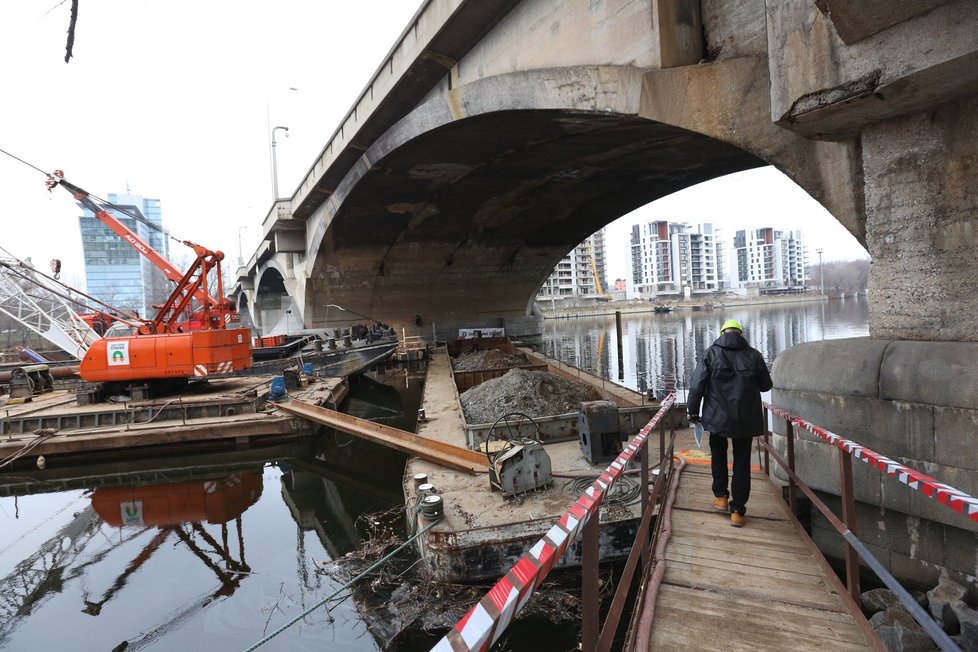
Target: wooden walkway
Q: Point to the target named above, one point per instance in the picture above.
(759, 587)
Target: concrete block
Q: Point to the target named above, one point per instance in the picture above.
(928, 507)
(818, 466)
(961, 553)
(890, 428)
(935, 373)
(826, 367)
(914, 571)
(956, 438)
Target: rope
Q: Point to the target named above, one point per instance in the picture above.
(341, 589)
(105, 202)
(42, 435)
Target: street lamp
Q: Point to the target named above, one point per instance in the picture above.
(240, 252)
(821, 278)
(275, 162)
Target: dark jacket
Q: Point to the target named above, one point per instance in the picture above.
(729, 381)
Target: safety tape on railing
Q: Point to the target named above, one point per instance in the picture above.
(487, 620)
(942, 493)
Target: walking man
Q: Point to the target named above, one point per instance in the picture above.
(728, 381)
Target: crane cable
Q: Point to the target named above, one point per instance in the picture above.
(105, 203)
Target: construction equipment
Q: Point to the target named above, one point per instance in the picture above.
(521, 463)
(48, 313)
(167, 347)
(169, 270)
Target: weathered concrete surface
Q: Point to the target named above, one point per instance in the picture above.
(921, 176)
(892, 397)
(822, 87)
(843, 97)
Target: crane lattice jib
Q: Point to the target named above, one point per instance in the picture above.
(51, 317)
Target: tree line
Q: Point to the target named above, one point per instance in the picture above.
(840, 276)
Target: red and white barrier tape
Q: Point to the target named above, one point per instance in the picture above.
(487, 620)
(942, 493)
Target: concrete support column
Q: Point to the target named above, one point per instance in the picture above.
(921, 184)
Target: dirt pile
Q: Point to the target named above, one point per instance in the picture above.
(487, 359)
(534, 393)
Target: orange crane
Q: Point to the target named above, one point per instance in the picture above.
(169, 270)
(164, 347)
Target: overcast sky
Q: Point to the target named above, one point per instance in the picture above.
(173, 100)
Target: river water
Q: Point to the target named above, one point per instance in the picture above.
(214, 552)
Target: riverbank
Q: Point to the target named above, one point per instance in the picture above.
(634, 306)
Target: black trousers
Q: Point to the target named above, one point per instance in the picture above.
(740, 485)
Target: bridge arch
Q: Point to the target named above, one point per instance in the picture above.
(462, 208)
(272, 298)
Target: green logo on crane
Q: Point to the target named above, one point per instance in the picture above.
(118, 356)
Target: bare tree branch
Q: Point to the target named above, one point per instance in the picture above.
(71, 30)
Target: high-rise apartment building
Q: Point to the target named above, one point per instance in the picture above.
(115, 272)
(580, 275)
(770, 260)
(669, 257)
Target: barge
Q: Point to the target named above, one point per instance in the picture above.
(55, 428)
(482, 532)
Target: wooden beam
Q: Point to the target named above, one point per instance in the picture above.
(453, 457)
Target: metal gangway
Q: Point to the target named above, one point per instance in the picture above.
(702, 584)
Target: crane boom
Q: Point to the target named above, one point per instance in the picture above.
(52, 318)
(127, 234)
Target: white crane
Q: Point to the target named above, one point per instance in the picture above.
(29, 298)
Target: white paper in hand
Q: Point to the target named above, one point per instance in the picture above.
(698, 433)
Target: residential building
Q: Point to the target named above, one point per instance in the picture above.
(671, 258)
(580, 275)
(769, 260)
(115, 272)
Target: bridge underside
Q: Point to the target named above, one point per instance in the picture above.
(465, 222)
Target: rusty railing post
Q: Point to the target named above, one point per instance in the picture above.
(849, 520)
(662, 440)
(767, 440)
(644, 453)
(789, 429)
(590, 598)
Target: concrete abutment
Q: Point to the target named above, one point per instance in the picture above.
(914, 402)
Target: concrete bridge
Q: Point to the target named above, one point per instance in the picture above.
(497, 134)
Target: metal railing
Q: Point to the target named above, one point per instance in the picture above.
(486, 621)
(855, 549)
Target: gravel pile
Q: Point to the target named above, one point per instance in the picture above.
(534, 393)
(487, 359)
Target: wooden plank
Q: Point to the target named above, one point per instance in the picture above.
(454, 457)
(689, 552)
(788, 589)
(704, 599)
(696, 617)
(769, 535)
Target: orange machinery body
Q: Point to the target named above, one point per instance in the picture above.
(168, 355)
(214, 501)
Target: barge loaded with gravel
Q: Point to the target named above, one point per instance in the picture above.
(545, 431)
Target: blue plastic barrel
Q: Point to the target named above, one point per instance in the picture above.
(307, 368)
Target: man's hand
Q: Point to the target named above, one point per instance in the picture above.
(693, 418)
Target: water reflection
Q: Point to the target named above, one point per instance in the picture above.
(97, 556)
(660, 351)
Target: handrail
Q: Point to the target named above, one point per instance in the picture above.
(944, 494)
(486, 621)
(846, 527)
